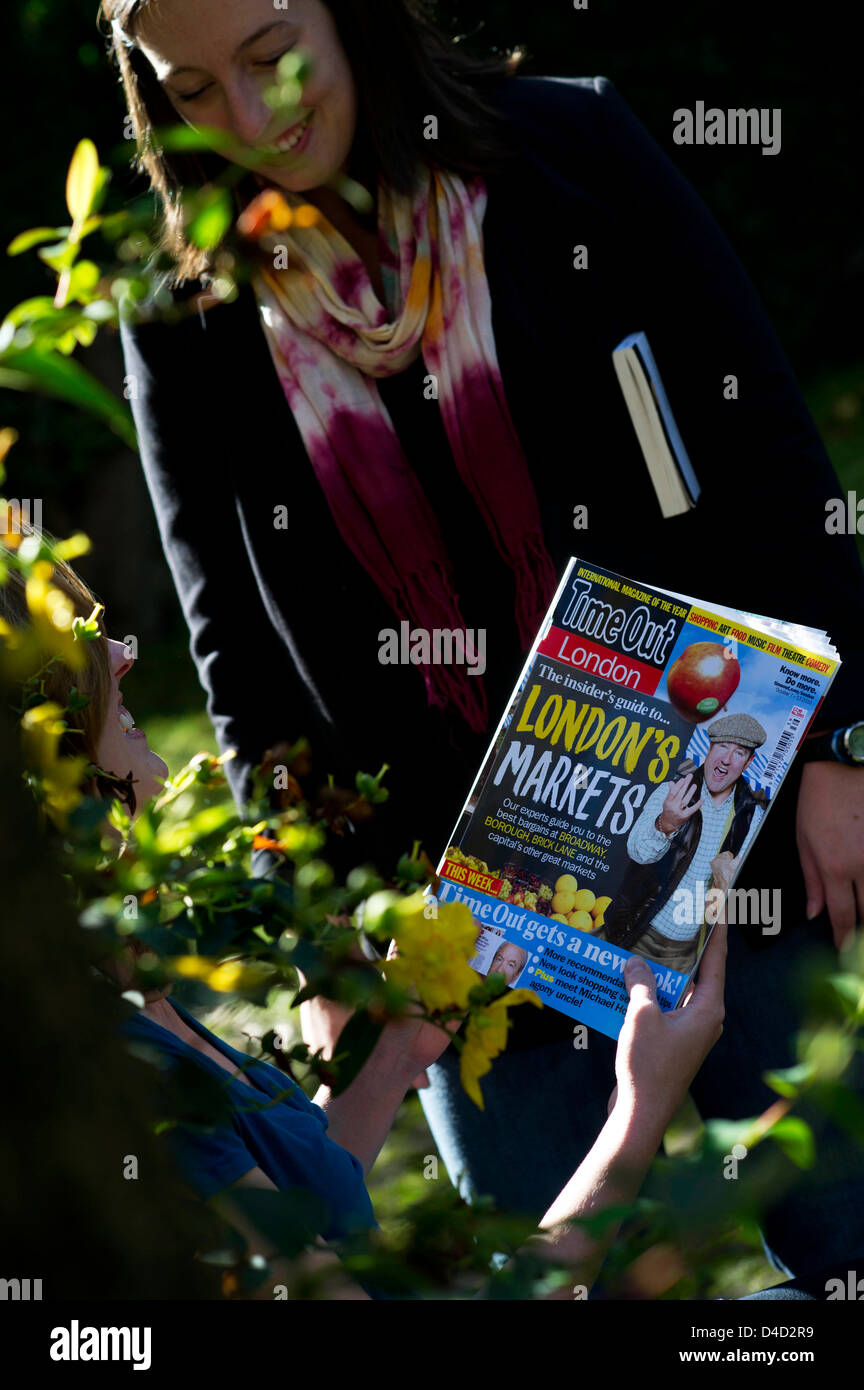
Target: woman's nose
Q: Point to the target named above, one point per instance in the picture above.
(249, 116)
(122, 659)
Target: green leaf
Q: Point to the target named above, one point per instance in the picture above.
(60, 256)
(193, 138)
(82, 182)
(41, 306)
(31, 369)
(843, 1105)
(25, 240)
(101, 311)
(210, 821)
(357, 1039)
(83, 280)
(789, 1081)
(850, 991)
(721, 1135)
(291, 1218)
(209, 225)
(795, 1137)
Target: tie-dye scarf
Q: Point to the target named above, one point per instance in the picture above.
(330, 337)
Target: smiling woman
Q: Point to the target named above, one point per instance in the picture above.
(372, 84)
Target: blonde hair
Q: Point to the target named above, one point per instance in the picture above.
(92, 683)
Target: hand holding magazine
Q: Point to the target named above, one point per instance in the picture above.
(645, 743)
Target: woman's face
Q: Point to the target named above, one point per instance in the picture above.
(216, 58)
(122, 749)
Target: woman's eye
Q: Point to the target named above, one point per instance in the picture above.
(192, 96)
(271, 62)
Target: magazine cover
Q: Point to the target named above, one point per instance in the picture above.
(644, 745)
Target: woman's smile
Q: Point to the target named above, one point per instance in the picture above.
(294, 140)
(127, 724)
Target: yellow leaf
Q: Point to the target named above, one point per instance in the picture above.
(82, 181)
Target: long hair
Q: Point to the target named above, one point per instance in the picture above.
(405, 69)
(93, 682)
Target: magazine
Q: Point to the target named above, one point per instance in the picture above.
(646, 741)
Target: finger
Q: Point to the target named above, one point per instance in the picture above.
(683, 788)
(640, 982)
(421, 1082)
(812, 881)
(689, 811)
(840, 901)
(712, 968)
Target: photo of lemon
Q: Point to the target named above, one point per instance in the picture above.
(558, 917)
(563, 902)
(598, 912)
(566, 884)
(583, 920)
(585, 900)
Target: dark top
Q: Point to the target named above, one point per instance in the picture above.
(286, 1140)
(284, 623)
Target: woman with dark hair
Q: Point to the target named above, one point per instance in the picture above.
(389, 428)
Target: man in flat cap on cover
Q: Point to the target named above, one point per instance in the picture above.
(690, 836)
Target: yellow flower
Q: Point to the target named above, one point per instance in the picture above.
(486, 1037)
(60, 778)
(226, 978)
(53, 616)
(433, 952)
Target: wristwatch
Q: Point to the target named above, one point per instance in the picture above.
(843, 746)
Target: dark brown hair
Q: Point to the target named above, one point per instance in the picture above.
(405, 70)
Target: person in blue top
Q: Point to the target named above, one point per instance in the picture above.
(273, 1137)
(286, 1140)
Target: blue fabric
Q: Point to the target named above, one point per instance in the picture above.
(287, 1140)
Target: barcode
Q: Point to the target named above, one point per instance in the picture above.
(782, 753)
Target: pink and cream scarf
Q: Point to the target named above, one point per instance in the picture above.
(330, 338)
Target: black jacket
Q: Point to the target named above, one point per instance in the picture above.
(285, 623)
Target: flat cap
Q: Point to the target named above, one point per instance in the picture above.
(737, 728)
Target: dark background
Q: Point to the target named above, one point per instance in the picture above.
(795, 220)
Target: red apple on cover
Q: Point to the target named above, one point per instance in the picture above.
(703, 678)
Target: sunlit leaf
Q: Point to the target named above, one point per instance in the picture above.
(209, 225)
(25, 240)
(356, 1040)
(789, 1081)
(83, 279)
(82, 182)
(795, 1137)
(34, 370)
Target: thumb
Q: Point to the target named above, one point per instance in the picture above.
(640, 982)
(812, 881)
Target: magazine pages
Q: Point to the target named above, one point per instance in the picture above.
(645, 743)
